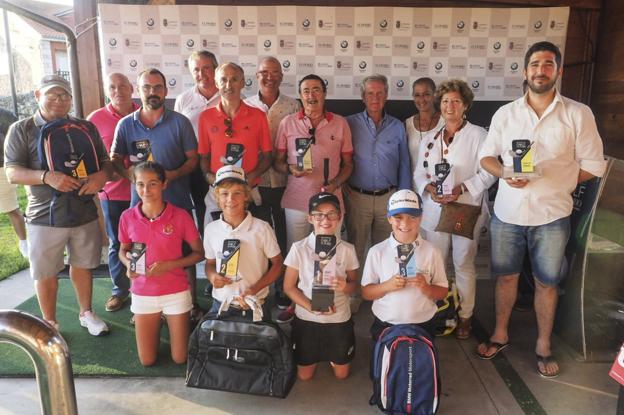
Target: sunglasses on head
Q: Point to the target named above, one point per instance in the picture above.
(228, 130)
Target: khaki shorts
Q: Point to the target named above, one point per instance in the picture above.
(8, 194)
(47, 245)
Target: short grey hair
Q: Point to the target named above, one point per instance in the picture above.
(232, 65)
(198, 54)
(374, 78)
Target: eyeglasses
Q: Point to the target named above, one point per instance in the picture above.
(318, 216)
(58, 97)
(156, 88)
(311, 131)
(229, 132)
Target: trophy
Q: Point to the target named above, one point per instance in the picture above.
(522, 156)
(138, 253)
(324, 273)
(141, 151)
(230, 255)
(406, 260)
(303, 146)
(234, 154)
(444, 179)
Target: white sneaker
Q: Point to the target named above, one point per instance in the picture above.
(23, 247)
(93, 323)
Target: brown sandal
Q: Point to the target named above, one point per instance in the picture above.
(462, 332)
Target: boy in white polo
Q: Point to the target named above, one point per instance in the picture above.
(398, 299)
(322, 336)
(258, 246)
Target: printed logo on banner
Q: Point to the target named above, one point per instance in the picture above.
(440, 66)
(326, 20)
(420, 67)
(324, 65)
(363, 46)
(112, 42)
(457, 67)
(363, 21)
(399, 87)
(324, 46)
(400, 66)
(247, 45)
(188, 20)
(342, 85)
(401, 46)
(344, 66)
(152, 61)
(289, 64)
(210, 43)
(512, 88)
(382, 46)
(477, 47)
(440, 46)
(344, 18)
(477, 86)
(305, 64)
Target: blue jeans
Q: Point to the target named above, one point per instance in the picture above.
(545, 244)
(112, 210)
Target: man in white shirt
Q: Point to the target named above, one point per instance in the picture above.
(205, 94)
(276, 106)
(534, 213)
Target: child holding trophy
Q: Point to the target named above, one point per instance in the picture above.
(320, 276)
(404, 275)
(239, 247)
(151, 236)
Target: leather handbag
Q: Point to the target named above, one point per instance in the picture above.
(458, 219)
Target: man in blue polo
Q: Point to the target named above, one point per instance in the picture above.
(381, 166)
(156, 133)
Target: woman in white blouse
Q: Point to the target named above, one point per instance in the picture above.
(427, 119)
(457, 142)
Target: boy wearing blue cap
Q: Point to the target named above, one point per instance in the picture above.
(404, 275)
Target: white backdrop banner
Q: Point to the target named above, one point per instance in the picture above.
(483, 46)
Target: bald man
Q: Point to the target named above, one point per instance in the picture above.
(115, 197)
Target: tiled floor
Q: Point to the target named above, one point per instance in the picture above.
(469, 385)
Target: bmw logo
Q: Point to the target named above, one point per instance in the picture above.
(172, 82)
(475, 84)
(267, 43)
(228, 23)
(497, 45)
(400, 83)
(362, 65)
(514, 66)
(190, 43)
(112, 41)
(461, 24)
(286, 63)
(344, 44)
(326, 82)
(383, 24)
(538, 25)
(150, 22)
(248, 82)
(306, 23)
(438, 66)
(133, 63)
(420, 45)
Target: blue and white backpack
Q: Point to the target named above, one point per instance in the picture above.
(405, 371)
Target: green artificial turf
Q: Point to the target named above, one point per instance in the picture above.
(112, 355)
(11, 261)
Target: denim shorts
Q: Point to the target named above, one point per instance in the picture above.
(545, 243)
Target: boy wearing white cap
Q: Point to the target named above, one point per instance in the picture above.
(404, 275)
(240, 245)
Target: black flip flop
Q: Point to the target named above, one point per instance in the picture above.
(498, 348)
(545, 360)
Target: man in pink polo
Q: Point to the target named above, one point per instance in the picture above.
(115, 197)
(331, 148)
(233, 133)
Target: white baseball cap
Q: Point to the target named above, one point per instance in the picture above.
(405, 201)
(230, 172)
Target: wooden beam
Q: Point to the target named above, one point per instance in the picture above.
(90, 72)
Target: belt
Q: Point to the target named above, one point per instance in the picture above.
(373, 192)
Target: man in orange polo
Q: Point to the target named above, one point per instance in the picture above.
(233, 133)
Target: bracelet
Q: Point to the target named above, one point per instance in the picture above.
(43, 176)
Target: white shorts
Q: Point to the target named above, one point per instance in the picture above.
(8, 194)
(169, 304)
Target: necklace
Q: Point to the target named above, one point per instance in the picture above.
(428, 125)
(443, 151)
(155, 217)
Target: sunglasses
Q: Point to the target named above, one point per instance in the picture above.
(229, 132)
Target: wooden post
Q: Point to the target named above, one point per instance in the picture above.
(90, 68)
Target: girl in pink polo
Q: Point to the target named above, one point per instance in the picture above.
(151, 236)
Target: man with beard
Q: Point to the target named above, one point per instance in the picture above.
(115, 197)
(329, 140)
(534, 213)
(205, 94)
(156, 133)
(233, 133)
(276, 105)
